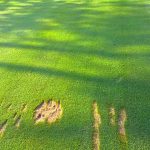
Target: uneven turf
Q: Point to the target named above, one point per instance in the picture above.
(75, 51)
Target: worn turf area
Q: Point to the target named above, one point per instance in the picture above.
(75, 51)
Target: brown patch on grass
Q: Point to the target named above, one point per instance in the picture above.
(17, 121)
(3, 127)
(24, 108)
(48, 111)
(121, 124)
(112, 116)
(96, 126)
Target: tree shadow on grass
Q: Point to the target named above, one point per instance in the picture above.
(89, 24)
(99, 31)
(134, 102)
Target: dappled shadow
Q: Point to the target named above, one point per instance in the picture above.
(100, 28)
(111, 39)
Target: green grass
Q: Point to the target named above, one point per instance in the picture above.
(77, 52)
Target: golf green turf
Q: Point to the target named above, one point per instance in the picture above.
(75, 51)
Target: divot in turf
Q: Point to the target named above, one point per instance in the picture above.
(121, 126)
(112, 116)
(48, 111)
(96, 126)
(3, 128)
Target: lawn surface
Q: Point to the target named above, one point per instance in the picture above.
(75, 52)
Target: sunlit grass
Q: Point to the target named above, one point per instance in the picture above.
(76, 52)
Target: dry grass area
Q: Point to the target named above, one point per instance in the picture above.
(112, 113)
(16, 117)
(3, 127)
(96, 126)
(112, 116)
(48, 111)
(121, 125)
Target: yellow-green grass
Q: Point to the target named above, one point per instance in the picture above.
(75, 51)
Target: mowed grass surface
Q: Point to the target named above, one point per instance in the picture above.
(75, 52)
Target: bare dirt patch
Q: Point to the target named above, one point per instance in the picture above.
(48, 112)
(112, 116)
(121, 124)
(3, 127)
(96, 126)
